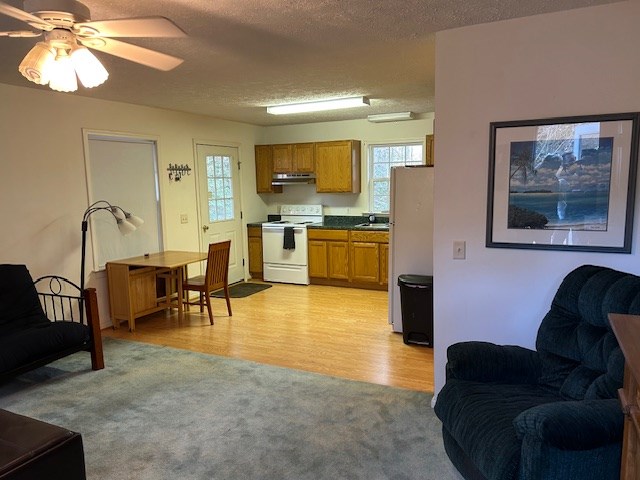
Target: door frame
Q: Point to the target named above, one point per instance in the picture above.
(196, 160)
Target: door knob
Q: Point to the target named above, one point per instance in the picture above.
(205, 228)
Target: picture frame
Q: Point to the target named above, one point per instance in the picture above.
(565, 183)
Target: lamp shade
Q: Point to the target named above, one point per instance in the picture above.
(125, 227)
(135, 220)
(89, 69)
(36, 65)
(63, 75)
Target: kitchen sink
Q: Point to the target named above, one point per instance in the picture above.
(374, 226)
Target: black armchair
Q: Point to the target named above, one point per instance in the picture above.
(508, 412)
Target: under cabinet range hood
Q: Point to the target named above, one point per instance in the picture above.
(293, 178)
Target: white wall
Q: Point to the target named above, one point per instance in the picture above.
(363, 130)
(570, 63)
(43, 189)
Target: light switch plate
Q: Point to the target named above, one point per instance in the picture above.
(459, 249)
(184, 218)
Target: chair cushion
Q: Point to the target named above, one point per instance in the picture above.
(19, 303)
(40, 341)
(580, 356)
(479, 416)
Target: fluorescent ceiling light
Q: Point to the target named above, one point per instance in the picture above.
(333, 104)
(390, 117)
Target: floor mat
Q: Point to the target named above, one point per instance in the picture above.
(242, 289)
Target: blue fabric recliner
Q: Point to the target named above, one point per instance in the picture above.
(508, 412)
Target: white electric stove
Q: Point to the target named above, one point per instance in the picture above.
(287, 261)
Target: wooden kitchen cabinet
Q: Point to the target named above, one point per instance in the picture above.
(384, 263)
(328, 252)
(364, 258)
(282, 158)
(304, 157)
(293, 158)
(254, 235)
(356, 258)
(338, 166)
(264, 170)
(368, 257)
(429, 150)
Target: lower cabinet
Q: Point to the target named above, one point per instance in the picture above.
(255, 252)
(348, 258)
(328, 254)
(369, 253)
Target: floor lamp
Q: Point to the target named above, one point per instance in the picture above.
(126, 221)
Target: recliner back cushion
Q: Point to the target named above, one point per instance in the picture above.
(580, 355)
(19, 303)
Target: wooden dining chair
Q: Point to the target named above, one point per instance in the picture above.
(216, 277)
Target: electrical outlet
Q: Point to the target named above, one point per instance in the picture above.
(459, 249)
(184, 218)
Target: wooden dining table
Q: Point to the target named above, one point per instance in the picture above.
(148, 283)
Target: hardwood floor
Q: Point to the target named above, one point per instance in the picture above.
(335, 331)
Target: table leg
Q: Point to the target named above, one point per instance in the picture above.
(180, 272)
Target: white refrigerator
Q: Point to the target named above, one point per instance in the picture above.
(410, 231)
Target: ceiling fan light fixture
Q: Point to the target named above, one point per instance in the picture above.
(318, 106)
(390, 117)
(63, 75)
(36, 65)
(89, 69)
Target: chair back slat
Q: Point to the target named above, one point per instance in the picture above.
(217, 271)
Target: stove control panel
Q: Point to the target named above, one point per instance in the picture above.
(301, 210)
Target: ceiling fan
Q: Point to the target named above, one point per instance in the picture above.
(68, 30)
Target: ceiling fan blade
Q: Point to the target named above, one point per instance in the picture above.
(20, 34)
(130, 27)
(25, 17)
(144, 56)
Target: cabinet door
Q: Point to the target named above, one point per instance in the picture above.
(429, 150)
(365, 262)
(317, 251)
(255, 256)
(142, 284)
(384, 263)
(264, 170)
(303, 158)
(338, 166)
(338, 260)
(282, 159)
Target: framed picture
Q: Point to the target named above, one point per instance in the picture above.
(563, 183)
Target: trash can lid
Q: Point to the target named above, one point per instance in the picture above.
(416, 280)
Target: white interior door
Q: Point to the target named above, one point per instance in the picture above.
(219, 194)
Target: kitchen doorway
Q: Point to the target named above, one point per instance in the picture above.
(219, 207)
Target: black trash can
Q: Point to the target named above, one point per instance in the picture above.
(416, 301)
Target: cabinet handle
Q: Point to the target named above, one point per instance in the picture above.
(205, 228)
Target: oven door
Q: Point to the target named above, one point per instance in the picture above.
(273, 243)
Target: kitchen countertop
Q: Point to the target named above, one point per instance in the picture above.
(343, 222)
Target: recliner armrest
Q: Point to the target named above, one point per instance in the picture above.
(488, 362)
(573, 425)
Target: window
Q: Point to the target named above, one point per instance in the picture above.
(220, 187)
(381, 158)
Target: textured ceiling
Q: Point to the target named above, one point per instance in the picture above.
(242, 55)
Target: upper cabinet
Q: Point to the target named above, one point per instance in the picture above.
(429, 150)
(282, 158)
(264, 170)
(338, 166)
(303, 158)
(293, 158)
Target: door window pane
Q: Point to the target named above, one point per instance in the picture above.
(220, 186)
